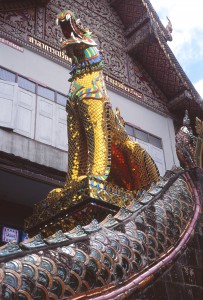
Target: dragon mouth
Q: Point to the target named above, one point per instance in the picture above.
(69, 27)
(73, 31)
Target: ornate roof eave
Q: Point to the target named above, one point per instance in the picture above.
(151, 14)
(154, 16)
(189, 99)
(9, 5)
(149, 31)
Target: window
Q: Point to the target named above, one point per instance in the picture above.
(7, 75)
(46, 92)
(143, 136)
(33, 87)
(61, 99)
(155, 141)
(129, 129)
(33, 110)
(26, 84)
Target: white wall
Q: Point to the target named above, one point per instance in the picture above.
(34, 66)
(32, 150)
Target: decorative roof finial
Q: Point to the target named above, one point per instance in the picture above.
(186, 124)
(169, 27)
(186, 119)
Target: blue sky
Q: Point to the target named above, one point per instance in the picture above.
(187, 20)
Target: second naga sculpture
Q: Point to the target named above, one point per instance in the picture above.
(98, 143)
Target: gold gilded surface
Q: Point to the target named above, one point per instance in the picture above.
(86, 81)
(98, 136)
(89, 153)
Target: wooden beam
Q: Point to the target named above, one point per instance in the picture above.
(139, 35)
(185, 95)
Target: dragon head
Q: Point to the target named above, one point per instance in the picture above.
(76, 35)
(79, 45)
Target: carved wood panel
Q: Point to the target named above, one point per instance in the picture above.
(39, 28)
(19, 21)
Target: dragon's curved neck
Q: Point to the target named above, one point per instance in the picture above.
(88, 61)
(92, 55)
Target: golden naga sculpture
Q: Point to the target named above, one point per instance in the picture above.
(99, 146)
(104, 163)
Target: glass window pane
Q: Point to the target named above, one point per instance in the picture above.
(61, 99)
(141, 135)
(26, 84)
(129, 130)
(7, 75)
(155, 141)
(45, 92)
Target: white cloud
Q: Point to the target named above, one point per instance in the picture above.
(186, 18)
(199, 87)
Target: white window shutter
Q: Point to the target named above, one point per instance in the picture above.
(158, 157)
(25, 116)
(8, 99)
(45, 120)
(61, 139)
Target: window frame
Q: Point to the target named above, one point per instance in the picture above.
(148, 134)
(37, 84)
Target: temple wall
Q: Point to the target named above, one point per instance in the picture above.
(52, 75)
(35, 67)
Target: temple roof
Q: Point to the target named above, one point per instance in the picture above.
(147, 42)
